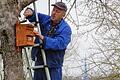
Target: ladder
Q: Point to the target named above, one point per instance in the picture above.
(29, 67)
(42, 50)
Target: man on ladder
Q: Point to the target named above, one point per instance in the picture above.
(56, 35)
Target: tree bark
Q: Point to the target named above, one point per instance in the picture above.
(13, 63)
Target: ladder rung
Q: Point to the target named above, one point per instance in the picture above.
(35, 45)
(36, 67)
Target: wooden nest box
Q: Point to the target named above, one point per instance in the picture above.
(24, 35)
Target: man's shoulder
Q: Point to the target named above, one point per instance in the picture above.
(64, 26)
(64, 23)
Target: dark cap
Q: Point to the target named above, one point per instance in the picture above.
(60, 5)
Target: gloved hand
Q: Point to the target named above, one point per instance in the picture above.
(28, 12)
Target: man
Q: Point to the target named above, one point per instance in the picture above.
(56, 35)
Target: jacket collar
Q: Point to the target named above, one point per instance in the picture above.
(57, 25)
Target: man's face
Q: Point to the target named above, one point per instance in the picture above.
(57, 14)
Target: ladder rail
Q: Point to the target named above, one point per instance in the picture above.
(42, 50)
(28, 63)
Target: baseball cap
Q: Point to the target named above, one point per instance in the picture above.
(60, 5)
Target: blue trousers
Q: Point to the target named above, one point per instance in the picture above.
(55, 74)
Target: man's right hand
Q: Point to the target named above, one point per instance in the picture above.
(39, 35)
(28, 12)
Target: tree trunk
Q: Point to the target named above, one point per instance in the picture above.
(13, 63)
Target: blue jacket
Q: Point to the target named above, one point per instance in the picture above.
(55, 44)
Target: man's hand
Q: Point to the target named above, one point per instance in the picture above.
(39, 35)
(28, 12)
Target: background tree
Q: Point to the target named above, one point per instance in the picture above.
(97, 23)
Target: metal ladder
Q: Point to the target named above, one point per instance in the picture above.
(42, 51)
